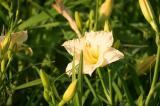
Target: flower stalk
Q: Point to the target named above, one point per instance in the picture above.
(104, 87)
(156, 71)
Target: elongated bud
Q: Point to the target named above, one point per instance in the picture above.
(107, 26)
(44, 79)
(46, 95)
(69, 93)
(78, 20)
(106, 9)
(148, 13)
(91, 19)
(5, 42)
(3, 64)
(91, 15)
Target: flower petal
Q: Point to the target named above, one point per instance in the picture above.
(101, 39)
(69, 67)
(72, 46)
(19, 37)
(111, 55)
(88, 69)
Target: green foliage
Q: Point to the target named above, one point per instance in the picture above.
(120, 83)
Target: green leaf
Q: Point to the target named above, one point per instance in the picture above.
(34, 20)
(28, 84)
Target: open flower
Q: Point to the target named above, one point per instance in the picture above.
(97, 51)
(15, 39)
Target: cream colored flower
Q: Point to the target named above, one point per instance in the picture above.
(97, 51)
(16, 38)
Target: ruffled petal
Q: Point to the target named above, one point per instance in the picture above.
(19, 37)
(88, 69)
(111, 55)
(75, 45)
(99, 39)
(69, 67)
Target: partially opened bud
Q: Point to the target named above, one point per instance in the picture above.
(69, 93)
(44, 79)
(106, 8)
(148, 13)
(145, 64)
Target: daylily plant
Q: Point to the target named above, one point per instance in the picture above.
(96, 48)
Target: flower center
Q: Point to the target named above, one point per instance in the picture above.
(90, 54)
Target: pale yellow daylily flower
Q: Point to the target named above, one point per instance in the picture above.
(16, 38)
(97, 51)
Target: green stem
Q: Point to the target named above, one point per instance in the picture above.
(90, 87)
(104, 87)
(152, 91)
(73, 68)
(76, 99)
(155, 76)
(80, 78)
(126, 90)
(110, 85)
(117, 91)
(96, 18)
(52, 97)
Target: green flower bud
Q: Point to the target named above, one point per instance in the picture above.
(107, 26)
(117, 44)
(3, 65)
(78, 20)
(44, 79)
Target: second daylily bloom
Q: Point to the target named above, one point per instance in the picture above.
(97, 51)
(16, 38)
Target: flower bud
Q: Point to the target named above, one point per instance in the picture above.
(106, 9)
(143, 65)
(148, 13)
(117, 44)
(5, 42)
(78, 20)
(44, 79)
(69, 93)
(3, 65)
(107, 26)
